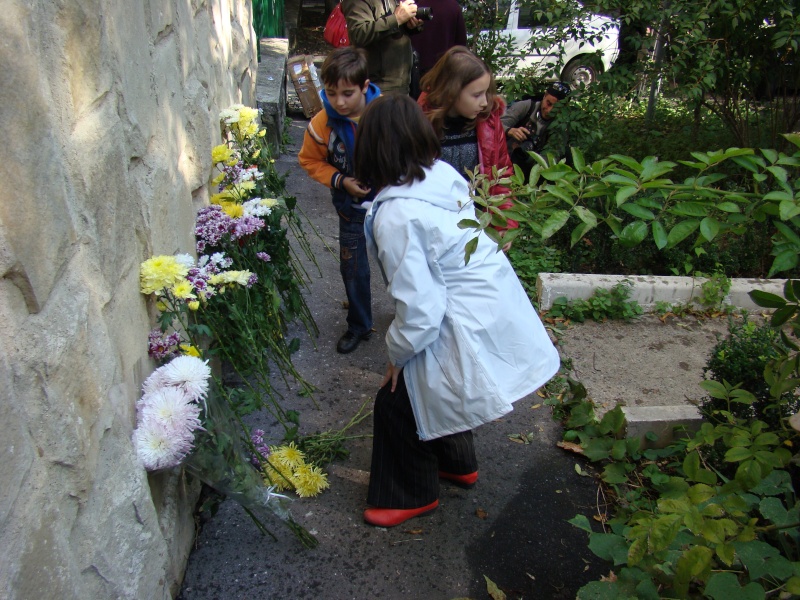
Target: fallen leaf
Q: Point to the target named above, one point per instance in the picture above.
(417, 531)
(580, 471)
(571, 446)
(612, 577)
(495, 592)
(535, 406)
(529, 575)
(481, 514)
(515, 438)
(601, 518)
(541, 394)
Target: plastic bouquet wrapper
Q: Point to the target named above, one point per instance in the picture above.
(181, 421)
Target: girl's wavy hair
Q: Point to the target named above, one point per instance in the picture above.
(394, 143)
(442, 85)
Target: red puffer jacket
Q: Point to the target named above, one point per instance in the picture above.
(492, 148)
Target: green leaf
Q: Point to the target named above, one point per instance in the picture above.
(610, 547)
(754, 556)
(784, 261)
(690, 209)
(578, 161)
(581, 522)
(470, 248)
(624, 193)
(554, 222)
(738, 454)
(615, 473)
(495, 593)
(725, 586)
(633, 233)
(659, 234)
(586, 215)
(613, 421)
(729, 207)
(766, 299)
(709, 228)
(681, 231)
(638, 211)
(715, 389)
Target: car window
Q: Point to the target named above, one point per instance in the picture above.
(527, 20)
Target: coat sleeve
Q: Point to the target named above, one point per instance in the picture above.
(416, 284)
(364, 27)
(514, 114)
(313, 156)
(503, 161)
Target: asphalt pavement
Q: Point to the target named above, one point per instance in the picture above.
(510, 528)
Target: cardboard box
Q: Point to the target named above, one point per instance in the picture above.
(306, 83)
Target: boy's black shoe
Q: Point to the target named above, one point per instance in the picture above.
(349, 342)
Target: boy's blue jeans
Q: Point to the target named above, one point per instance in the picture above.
(354, 266)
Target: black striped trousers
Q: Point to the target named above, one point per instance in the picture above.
(404, 470)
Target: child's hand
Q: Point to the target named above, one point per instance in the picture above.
(353, 187)
(392, 373)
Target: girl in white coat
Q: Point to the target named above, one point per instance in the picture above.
(465, 341)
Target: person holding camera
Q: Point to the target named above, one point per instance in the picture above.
(381, 27)
(526, 123)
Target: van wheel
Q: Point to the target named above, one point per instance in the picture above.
(581, 70)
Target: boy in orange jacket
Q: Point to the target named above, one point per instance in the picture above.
(327, 156)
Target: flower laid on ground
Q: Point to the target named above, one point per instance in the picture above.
(285, 468)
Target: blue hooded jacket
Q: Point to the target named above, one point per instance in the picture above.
(343, 151)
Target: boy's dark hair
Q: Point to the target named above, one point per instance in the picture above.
(346, 64)
(394, 141)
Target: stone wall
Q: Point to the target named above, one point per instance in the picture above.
(108, 112)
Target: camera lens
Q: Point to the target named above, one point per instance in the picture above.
(424, 13)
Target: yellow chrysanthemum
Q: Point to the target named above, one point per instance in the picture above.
(289, 455)
(232, 209)
(161, 306)
(278, 475)
(221, 197)
(257, 153)
(245, 186)
(221, 153)
(309, 481)
(190, 350)
(220, 279)
(218, 179)
(269, 202)
(183, 290)
(159, 272)
(248, 114)
(250, 129)
(262, 133)
(193, 305)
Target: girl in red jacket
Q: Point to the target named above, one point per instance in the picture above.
(460, 99)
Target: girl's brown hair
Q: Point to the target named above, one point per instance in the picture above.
(452, 73)
(394, 142)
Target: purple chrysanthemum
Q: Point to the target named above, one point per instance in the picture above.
(246, 225)
(264, 256)
(161, 347)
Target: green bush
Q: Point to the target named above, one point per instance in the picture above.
(741, 358)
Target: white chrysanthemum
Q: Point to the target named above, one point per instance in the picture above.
(154, 383)
(256, 208)
(160, 447)
(190, 374)
(171, 406)
(229, 116)
(187, 260)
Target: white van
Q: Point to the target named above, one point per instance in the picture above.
(579, 61)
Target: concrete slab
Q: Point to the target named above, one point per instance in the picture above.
(271, 88)
(649, 290)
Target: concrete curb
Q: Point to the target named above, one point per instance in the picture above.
(271, 88)
(648, 290)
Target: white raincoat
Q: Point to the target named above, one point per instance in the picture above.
(468, 339)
